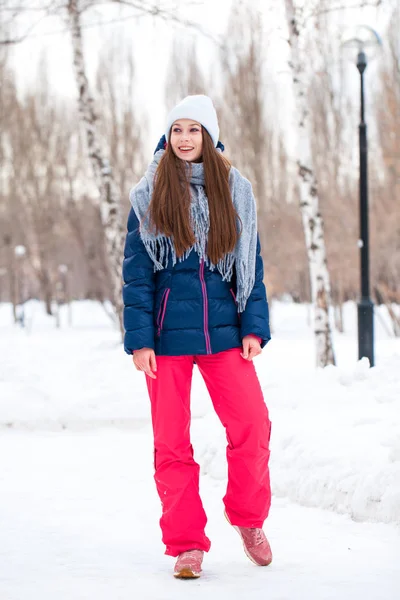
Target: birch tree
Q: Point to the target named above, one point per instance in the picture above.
(332, 122)
(109, 194)
(308, 190)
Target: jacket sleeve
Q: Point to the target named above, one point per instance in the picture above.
(255, 317)
(138, 290)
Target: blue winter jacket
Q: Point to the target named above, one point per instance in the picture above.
(186, 308)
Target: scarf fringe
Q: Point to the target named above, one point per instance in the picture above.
(245, 284)
(161, 250)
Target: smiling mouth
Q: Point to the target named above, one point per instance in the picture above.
(185, 149)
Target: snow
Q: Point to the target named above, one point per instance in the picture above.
(78, 508)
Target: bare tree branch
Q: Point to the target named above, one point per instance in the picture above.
(66, 30)
(360, 4)
(20, 9)
(143, 10)
(166, 15)
(50, 9)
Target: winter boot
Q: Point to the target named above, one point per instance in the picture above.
(188, 565)
(255, 544)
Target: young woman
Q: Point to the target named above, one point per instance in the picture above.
(194, 294)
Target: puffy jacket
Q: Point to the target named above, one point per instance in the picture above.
(186, 308)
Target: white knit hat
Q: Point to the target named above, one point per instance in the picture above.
(199, 108)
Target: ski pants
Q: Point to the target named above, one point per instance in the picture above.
(238, 401)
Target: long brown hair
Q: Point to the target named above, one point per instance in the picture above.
(170, 203)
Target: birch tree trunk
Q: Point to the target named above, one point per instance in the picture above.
(309, 203)
(109, 194)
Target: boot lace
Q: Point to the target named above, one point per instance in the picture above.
(258, 536)
(191, 553)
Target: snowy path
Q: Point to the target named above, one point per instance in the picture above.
(78, 521)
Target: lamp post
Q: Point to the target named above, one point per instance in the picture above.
(63, 292)
(19, 252)
(3, 271)
(364, 39)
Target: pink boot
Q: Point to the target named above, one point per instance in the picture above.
(255, 544)
(188, 565)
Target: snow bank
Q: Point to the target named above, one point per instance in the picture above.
(335, 434)
(335, 440)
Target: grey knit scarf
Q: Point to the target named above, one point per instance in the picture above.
(161, 249)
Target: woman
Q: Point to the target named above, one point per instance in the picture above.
(194, 293)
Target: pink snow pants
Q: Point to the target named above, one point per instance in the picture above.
(238, 401)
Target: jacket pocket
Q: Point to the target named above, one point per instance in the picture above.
(162, 310)
(234, 298)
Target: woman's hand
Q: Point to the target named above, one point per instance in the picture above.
(145, 360)
(251, 347)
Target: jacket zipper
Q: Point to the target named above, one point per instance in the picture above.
(205, 307)
(161, 312)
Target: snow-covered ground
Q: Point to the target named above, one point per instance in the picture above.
(78, 508)
(79, 521)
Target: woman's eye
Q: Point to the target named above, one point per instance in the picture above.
(178, 130)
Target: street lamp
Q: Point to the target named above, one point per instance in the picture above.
(19, 314)
(19, 251)
(362, 41)
(64, 288)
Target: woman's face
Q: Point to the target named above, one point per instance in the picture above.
(187, 139)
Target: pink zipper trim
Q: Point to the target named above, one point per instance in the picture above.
(234, 297)
(163, 308)
(205, 307)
